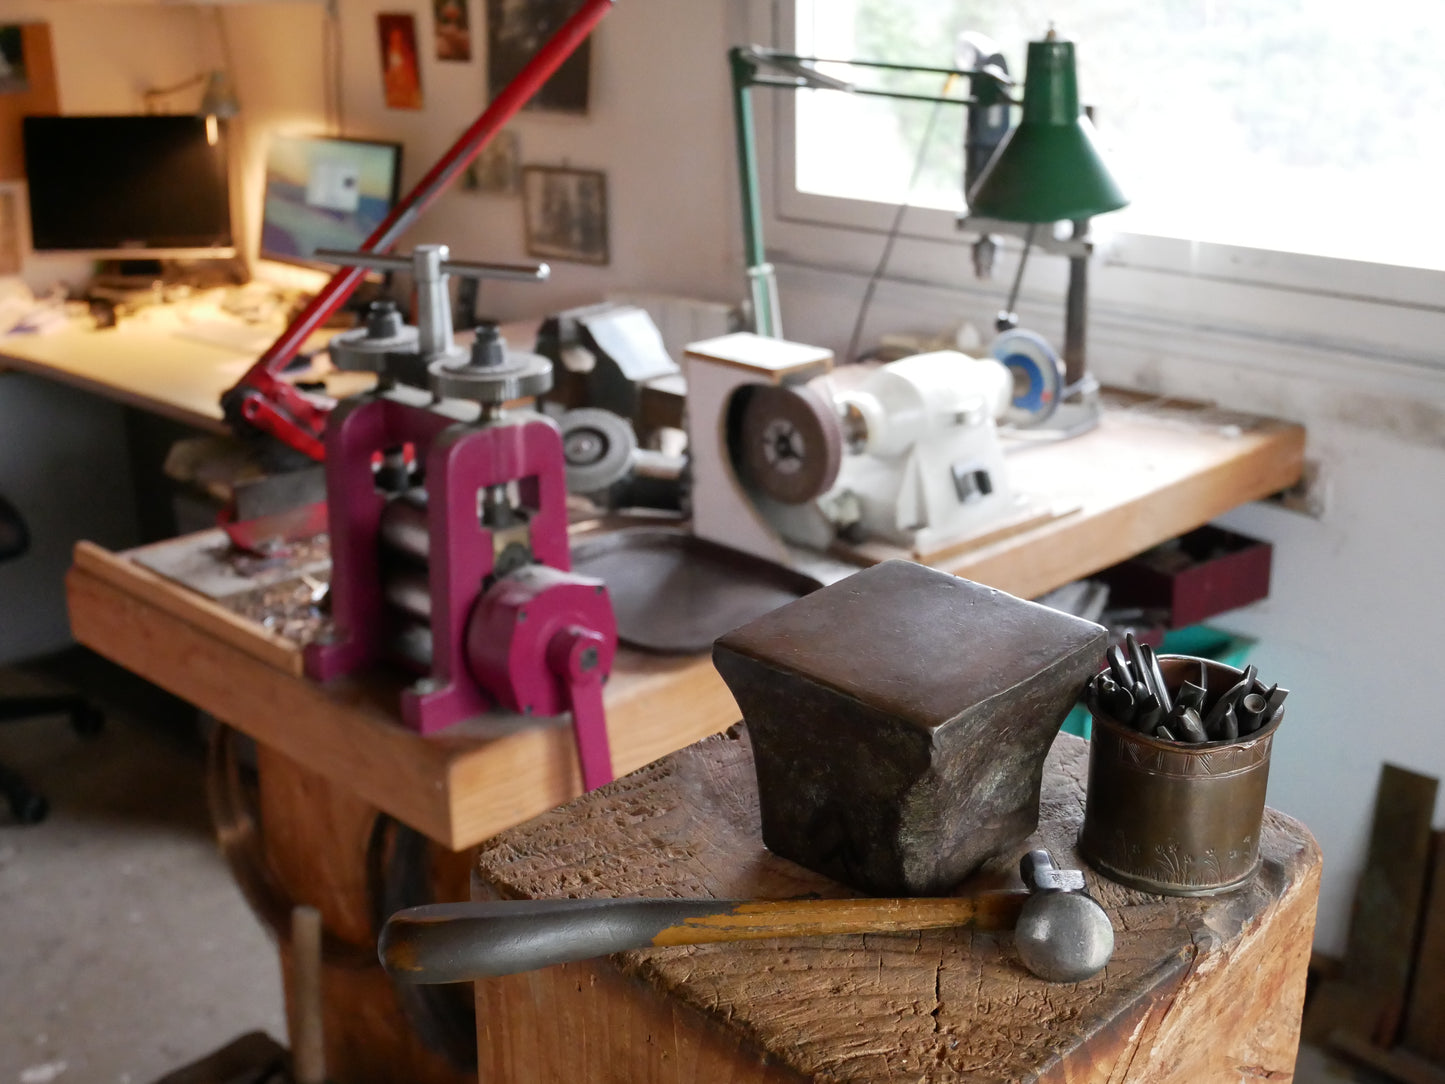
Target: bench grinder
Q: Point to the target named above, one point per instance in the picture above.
(910, 456)
(448, 523)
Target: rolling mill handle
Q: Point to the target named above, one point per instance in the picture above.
(461, 942)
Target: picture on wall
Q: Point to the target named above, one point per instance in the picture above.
(13, 79)
(516, 30)
(497, 171)
(400, 68)
(565, 211)
(12, 227)
(453, 30)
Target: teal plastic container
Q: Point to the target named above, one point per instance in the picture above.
(1201, 641)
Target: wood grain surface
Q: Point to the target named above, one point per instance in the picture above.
(1198, 989)
(457, 787)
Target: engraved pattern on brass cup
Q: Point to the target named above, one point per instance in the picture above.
(1174, 818)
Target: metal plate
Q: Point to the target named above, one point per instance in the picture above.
(675, 593)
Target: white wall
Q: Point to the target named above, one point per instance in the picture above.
(1350, 621)
(659, 125)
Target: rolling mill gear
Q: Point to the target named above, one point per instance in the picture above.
(448, 523)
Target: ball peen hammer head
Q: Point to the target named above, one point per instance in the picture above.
(1063, 935)
(1041, 875)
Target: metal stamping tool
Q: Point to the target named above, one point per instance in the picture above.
(1134, 691)
(1155, 678)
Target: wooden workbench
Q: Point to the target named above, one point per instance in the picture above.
(1198, 990)
(331, 756)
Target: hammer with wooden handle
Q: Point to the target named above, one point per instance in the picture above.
(1061, 933)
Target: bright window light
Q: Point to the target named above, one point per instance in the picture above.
(1306, 126)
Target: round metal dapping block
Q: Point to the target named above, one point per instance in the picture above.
(1174, 818)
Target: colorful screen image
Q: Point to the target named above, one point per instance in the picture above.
(324, 193)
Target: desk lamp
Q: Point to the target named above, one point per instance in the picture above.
(218, 99)
(1048, 169)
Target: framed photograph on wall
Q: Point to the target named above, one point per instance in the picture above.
(516, 29)
(400, 66)
(453, 30)
(497, 171)
(13, 240)
(565, 211)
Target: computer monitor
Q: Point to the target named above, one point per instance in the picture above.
(324, 192)
(148, 187)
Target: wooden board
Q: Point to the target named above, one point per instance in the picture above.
(1198, 989)
(458, 787)
(1425, 1015)
(1385, 921)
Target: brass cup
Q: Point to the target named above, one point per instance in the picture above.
(1175, 818)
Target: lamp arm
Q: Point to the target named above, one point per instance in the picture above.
(746, 63)
(165, 92)
(762, 280)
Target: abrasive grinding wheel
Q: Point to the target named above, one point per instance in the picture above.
(791, 443)
(598, 446)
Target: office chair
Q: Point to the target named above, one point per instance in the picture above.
(26, 805)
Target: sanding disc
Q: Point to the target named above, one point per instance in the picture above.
(792, 443)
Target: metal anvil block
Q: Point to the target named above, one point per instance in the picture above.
(900, 719)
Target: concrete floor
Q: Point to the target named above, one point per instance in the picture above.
(126, 950)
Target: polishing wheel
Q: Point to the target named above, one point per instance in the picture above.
(792, 443)
(1038, 375)
(598, 446)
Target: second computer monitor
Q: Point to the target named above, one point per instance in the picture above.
(324, 193)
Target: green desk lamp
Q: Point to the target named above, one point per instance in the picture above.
(1048, 169)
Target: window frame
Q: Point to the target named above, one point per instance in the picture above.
(1139, 283)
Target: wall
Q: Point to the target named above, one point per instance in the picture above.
(659, 125)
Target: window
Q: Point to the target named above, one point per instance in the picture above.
(1299, 125)
(1285, 144)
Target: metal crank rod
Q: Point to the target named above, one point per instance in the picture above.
(269, 403)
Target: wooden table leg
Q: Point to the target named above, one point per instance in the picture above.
(315, 837)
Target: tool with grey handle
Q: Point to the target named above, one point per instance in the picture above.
(1061, 933)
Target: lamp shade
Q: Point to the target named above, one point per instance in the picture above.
(1048, 169)
(218, 100)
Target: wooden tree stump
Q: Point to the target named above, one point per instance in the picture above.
(1198, 989)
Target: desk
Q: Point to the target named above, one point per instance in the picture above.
(1198, 990)
(142, 363)
(331, 756)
